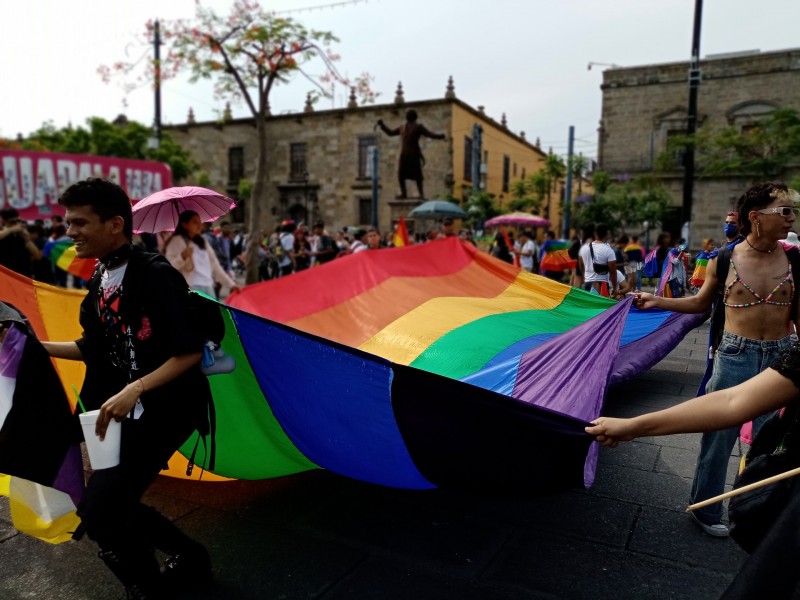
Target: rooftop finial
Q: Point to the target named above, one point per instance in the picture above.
(398, 95)
(451, 89)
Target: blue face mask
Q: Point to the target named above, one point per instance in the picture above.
(729, 229)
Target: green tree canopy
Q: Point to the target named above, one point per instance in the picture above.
(767, 149)
(623, 204)
(524, 197)
(102, 138)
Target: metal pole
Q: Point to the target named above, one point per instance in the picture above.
(477, 130)
(568, 191)
(157, 79)
(691, 122)
(374, 214)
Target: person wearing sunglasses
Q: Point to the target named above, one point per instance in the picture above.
(751, 287)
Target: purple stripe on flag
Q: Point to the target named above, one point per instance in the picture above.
(578, 365)
(11, 352)
(70, 476)
(635, 358)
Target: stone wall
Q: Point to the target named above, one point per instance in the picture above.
(334, 191)
(642, 105)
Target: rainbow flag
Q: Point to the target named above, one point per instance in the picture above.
(62, 254)
(554, 256)
(429, 366)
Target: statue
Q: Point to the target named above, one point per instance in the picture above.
(411, 158)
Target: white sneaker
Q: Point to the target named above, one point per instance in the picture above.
(716, 530)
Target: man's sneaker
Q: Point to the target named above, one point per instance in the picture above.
(716, 530)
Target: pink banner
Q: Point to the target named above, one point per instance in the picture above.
(32, 182)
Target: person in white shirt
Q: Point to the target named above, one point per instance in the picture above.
(526, 249)
(599, 264)
(188, 251)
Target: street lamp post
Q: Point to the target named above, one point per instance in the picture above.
(646, 225)
(305, 192)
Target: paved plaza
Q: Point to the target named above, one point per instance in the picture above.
(318, 535)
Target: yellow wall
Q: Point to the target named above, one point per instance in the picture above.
(499, 142)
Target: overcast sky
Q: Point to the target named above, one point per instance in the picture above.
(525, 58)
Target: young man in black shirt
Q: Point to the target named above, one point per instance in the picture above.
(142, 356)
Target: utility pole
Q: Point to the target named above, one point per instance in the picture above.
(695, 76)
(373, 158)
(157, 82)
(568, 191)
(477, 142)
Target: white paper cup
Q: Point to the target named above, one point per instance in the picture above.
(105, 454)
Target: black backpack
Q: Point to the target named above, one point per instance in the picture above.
(775, 450)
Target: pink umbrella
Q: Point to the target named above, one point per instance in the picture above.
(518, 218)
(160, 211)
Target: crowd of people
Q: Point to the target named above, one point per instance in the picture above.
(162, 396)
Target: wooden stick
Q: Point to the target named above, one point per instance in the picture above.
(746, 488)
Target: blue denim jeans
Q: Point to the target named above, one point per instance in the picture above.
(737, 359)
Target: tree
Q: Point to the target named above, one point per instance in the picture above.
(554, 169)
(578, 165)
(126, 139)
(523, 198)
(624, 203)
(246, 53)
(480, 207)
(768, 149)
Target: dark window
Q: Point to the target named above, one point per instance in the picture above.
(515, 169)
(235, 165)
(364, 211)
(486, 157)
(297, 161)
(523, 172)
(506, 172)
(365, 142)
(467, 159)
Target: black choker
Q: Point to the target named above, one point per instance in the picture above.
(117, 257)
(759, 249)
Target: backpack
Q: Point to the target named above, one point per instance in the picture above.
(774, 451)
(651, 264)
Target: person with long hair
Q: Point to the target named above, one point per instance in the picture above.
(188, 252)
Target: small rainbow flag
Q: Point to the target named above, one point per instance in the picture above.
(61, 253)
(554, 256)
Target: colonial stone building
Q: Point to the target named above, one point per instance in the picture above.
(643, 106)
(319, 161)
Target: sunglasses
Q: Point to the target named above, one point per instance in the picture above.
(784, 211)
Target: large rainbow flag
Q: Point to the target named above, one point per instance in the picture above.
(419, 367)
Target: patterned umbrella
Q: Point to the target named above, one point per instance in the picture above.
(160, 211)
(518, 218)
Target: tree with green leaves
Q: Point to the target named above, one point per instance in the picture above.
(246, 54)
(624, 203)
(578, 164)
(125, 139)
(523, 198)
(554, 170)
(480, 208)
(766, 149)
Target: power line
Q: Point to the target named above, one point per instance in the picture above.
(340, 4)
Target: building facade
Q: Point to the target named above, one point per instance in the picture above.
(644, 106)
(319, 162)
